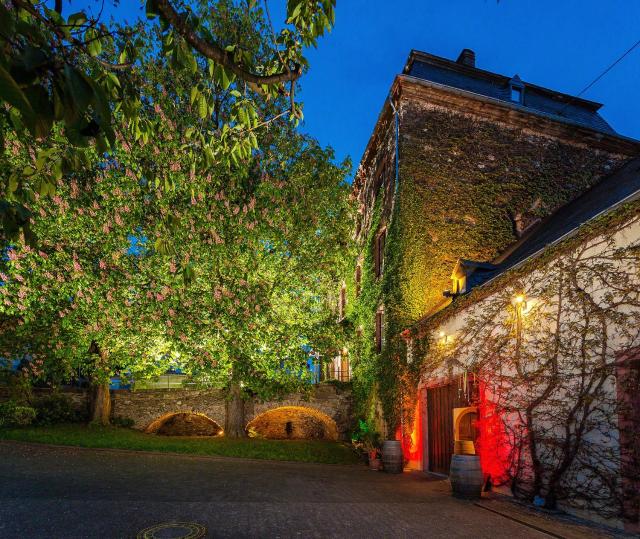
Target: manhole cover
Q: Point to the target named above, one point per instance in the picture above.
(173, 530)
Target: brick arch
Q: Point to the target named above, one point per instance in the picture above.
(293, 422)
(176, 423)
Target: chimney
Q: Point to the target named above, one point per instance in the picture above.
(467, 58)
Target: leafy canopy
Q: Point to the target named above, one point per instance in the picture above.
(70, 83)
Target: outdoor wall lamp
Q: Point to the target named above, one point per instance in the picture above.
(520, 301)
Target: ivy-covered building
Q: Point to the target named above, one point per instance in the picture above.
(463, 168)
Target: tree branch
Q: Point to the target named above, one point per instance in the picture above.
(216, 53)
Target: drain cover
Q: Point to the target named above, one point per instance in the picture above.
(173, 530)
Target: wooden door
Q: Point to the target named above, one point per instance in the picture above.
(440, 404)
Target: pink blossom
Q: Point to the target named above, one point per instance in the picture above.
(74, 188)
(102, 264)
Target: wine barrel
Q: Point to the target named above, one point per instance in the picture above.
(464, 447)
(466, 476)
(392, 456)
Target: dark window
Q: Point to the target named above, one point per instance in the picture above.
(342, 302)
(379, 253)
(516, 94)
(379, 329)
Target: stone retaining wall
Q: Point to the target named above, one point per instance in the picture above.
(145, 407)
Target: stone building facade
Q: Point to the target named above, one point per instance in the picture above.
(463, 166)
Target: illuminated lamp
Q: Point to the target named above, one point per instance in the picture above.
(520, 301)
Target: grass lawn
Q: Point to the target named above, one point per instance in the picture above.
(121, 438)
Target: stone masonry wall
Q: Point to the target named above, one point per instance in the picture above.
(147, 406)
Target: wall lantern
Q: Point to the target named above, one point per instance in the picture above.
(443, 337)
(520, 302)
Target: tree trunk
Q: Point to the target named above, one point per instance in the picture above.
(234, 426)
(100, 395)
(101, 404)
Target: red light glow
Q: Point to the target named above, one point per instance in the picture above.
(493, 445)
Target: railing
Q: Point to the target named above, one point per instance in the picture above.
(332, 372)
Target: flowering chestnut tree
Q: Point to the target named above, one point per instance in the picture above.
(159, 247)
(70, 81)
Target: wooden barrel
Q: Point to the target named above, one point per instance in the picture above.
(466, 476)
(464, 447)
(392, 456)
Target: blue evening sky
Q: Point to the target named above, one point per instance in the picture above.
(559, 44)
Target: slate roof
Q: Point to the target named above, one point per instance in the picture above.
(621, 186)
(559, 106)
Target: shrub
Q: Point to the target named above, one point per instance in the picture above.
(121, 421)
(13, 414)
(56, 408)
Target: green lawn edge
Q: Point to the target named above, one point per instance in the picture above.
(317, 451)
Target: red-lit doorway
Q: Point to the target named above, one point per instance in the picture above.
(439, 431)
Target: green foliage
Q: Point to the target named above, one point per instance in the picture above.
(253, 448)
(71, 85)
(122, 422)
(56, 408)
(13, 414)
(230, 268)
(366, 437)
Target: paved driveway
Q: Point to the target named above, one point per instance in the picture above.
(48, 492)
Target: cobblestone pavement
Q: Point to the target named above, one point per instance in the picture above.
(49, 492)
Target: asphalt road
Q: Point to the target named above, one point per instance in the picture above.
(48, 492)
